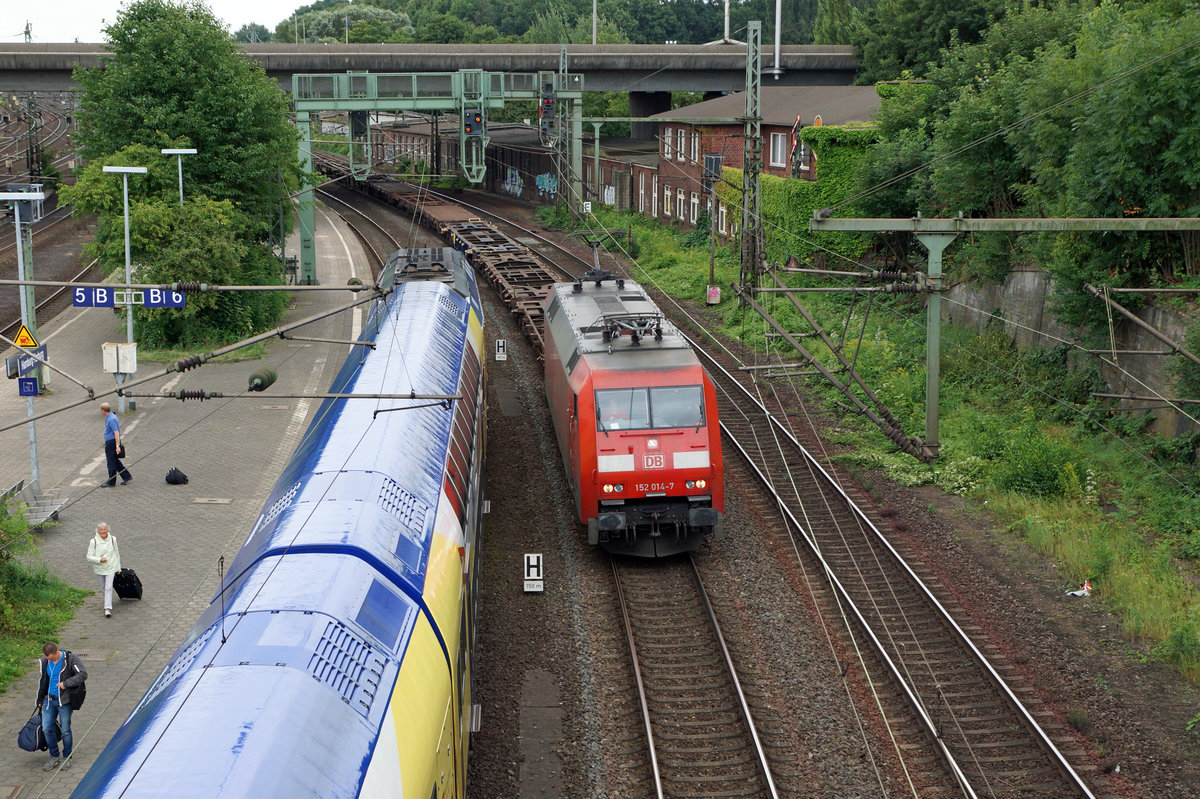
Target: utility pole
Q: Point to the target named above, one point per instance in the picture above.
(752, 160)
(33, 138)
(27, 198)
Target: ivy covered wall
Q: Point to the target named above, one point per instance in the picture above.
(788, 203)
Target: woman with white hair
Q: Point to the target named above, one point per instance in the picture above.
(106, 561)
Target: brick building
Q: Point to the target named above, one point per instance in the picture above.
(674, 191)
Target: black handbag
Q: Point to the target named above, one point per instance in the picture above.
(121, 452)
(32, 737)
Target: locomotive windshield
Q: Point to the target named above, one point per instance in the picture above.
(650, 408)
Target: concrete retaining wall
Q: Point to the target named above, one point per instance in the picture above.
(1022, 302)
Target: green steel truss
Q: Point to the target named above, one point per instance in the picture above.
(359, 93)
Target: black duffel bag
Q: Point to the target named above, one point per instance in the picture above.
(32, 737)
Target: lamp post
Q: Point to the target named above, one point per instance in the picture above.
(32, 202)
(179, 152)
(125, 172)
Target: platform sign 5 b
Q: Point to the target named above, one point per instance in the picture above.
(87, 297)
(104, 297)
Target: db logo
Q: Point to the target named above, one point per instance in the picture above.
(653, 461)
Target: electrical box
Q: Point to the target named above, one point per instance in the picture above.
(119, 357)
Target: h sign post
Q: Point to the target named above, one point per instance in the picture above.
(533, 571)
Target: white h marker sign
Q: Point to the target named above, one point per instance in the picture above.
(533, 571)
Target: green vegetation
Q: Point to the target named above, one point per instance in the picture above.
(177, 80)
(1059, 110)
(566, 21)
(33, 603)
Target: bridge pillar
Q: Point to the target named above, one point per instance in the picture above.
(645, 104)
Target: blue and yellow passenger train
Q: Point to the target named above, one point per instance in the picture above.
(335, 661)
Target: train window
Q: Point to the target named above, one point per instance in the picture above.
(677, 406)
(622, 409)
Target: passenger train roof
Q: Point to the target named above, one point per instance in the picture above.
(612, 321)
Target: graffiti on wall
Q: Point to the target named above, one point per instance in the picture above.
(513, 184)
(610, 195)
(547, 185)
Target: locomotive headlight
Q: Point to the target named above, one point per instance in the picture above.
(608, 488)
(691, 484)
(701, 484)
(651, 443)
(619, 487)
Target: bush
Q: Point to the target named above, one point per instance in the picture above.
(1181, 648)
(1036, 466)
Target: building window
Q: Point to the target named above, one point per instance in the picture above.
(668, 133)
(681, 149)
(641, 192)
(721, 217)
(695, 147)
(666, 201)
(695, 211)
(779, 149)
(679, 206)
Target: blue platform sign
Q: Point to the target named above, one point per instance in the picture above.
(26, 364)
(160, 298)
(27, 386)
(104, 297)
(90, 297)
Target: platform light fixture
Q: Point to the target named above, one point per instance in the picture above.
(125, 172)
(180, 152)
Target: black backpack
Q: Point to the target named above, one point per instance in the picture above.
(176, 477)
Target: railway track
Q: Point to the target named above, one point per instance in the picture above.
(983, 733)
(987, 738)
(701, 736)
(50, 304)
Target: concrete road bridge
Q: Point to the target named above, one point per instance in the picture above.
(649, 70)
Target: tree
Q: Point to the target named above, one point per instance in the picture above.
(910, 34)
(204, 240)
(443, 29)
(252, 32)
(177, 79)
(837, 22)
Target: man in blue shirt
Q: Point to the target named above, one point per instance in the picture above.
(60, 691)
(112, 445)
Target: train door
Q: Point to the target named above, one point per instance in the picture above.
(573, 447)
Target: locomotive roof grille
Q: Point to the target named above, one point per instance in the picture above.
(597, 318)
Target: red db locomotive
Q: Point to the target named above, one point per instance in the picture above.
(636, 419)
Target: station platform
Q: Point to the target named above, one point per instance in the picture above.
(232, 451)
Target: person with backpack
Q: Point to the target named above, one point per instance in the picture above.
(61, 690)
(106, 561)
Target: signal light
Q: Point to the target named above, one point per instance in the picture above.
(546, 109)
(473, 122)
